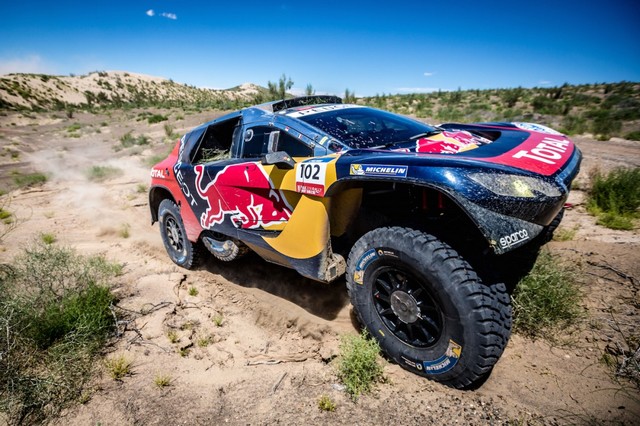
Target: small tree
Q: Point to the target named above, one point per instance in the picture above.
(309, 91)
(279, 90)
(349, 97)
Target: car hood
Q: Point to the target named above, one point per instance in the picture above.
(524, 146)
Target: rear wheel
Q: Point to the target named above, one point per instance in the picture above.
(426, 306)
(181, 251)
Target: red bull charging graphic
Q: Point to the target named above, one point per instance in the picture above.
(243, 192)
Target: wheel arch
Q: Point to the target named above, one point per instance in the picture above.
(421, 205)
(156, 195)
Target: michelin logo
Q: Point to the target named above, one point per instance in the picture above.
(378, 170)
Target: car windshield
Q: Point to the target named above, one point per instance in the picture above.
(362, 127)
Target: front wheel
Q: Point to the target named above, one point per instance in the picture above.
(426, 306)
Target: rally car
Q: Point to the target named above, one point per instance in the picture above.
(413, 215)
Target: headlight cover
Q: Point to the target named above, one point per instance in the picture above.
(514, 185)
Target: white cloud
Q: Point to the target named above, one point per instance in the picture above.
(428, 74)
(150, 12)
(416, 89)
(28, 64)
(171, 16)
(545, 83)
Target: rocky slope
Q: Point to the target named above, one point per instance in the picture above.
(112, 88)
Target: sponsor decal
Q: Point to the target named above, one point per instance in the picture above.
(180, 177)
(311, 176)
(386, 252)
(450, 143)
(540, 153)
(446, 362)
(364, 261)
(411, 363)
(315, 110)
(549, 151)
(513, 239)
(157, 173)
(536, 128)
(263, 206)
(378, 170)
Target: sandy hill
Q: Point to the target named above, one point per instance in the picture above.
(117, 88)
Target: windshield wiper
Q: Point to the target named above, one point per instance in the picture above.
(435, 131)
(427, 134)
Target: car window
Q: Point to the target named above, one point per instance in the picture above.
(293, 146)
(215, 143)
(366, 127)
(255, 140)
(256, 143)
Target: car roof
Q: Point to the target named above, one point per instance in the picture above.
(257, 112)
(285, 104)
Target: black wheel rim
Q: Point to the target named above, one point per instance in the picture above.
(175, 238)
(406, 307)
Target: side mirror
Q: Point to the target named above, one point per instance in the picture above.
(280, 159)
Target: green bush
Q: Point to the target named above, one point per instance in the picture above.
(633, 136)
(358, 366)
(546, 299)
(29, 180)
(573, 125)
(604, 124)
(615, 197)
(157, 118)
(55, 316)
(100, 173)
(128, 140)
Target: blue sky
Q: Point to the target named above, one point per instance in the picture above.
(367, 47)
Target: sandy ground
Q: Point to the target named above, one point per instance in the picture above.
(269, 360)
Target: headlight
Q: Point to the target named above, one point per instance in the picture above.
(515, 186)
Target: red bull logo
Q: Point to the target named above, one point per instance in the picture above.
(245, 193)
(448, 143)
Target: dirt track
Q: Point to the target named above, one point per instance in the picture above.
(269, 361)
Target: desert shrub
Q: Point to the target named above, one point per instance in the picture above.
(546, 105)
(118, 366)
(29, 180)
(326, 404)
(358, 366)
(157, 118)
(6, 216)
(48, 238)
(128, 140)
(162, 380)
(615, 197)
(74, 127)
(55, 316)
(546, 299)
(100, 173)
(633, 136)
(603, 123)
(573, 125)
(168, 130)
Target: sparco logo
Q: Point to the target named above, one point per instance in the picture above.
(516, 237)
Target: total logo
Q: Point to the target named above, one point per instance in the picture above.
(512, 239)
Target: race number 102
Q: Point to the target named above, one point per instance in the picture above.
(310, 172)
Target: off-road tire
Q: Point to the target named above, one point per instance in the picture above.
(547, 233)
(181, 251)
(427, 307)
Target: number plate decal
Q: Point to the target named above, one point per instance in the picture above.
(311, 177)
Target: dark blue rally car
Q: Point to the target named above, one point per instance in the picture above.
(418, 218)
